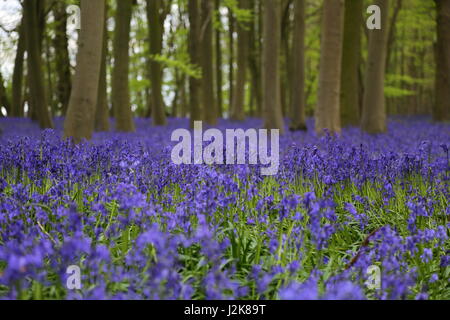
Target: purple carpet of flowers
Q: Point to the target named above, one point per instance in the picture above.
(140, 227)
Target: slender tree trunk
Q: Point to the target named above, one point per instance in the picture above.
(17, 80)
(441, 110)
(194, 53)
(207, 62)
(4, 100)
(219, 73)
(351, 54)
(285, 62)
(50, 89)
(101, 111)
(237, 107)
(298, 72)
(327, 111)
(231, 29)
(255, 57)
(62, 62)
(120, 85)
(273, 118)
(156, 38)
(80, 117)
(374, 108)
(38, 99)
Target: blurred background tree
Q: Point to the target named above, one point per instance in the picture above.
(206, 60)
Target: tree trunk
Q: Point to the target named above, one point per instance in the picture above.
(441, 110)
(237, 107)
(207, 62)
(4, 100)
(351, 53)
(62, 62)
(255, 57)
(285, 63)
(120, 86)
(273, 118)
(374, 108)
(17, 79)
(231, 29)
(156, 37)
(101, 111)
(298, 72)
(327, 111)
(38, 99)
(79, 122)
(194, 53)
(219, 73)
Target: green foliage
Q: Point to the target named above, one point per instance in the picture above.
(395, 92)
(182, 65)
(241, 15)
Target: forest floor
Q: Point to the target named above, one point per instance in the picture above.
(140, 227)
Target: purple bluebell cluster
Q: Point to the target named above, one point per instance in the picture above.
(140, 227)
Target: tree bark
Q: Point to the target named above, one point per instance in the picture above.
(285, 62)
(17, 79)
(298, 100)
(255, 57)
(62, 62)
(219, 73)
(273, 118)
(120, 85)
(441, 110)
(351, 54)
(237, 107)
(101, 111)
(374, 108)
(79, 122)
(38, 99)
(207, 62)
(327, 111)
(4, 100)
(231, 29)
(156, 38)
(196, 109)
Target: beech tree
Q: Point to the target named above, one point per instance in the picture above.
(102, 110)
(207, 62)
(62, 62)
(237, 106)
(4, 100)
(17, 78)
(351, 58)
(298, 72)
(156, 14)
(120, 94)
(194, 53)
(206, 59)
(38, 98)
(273, 118)
(441, 110)
(327, 110)
(374, 108)
(79, 123)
